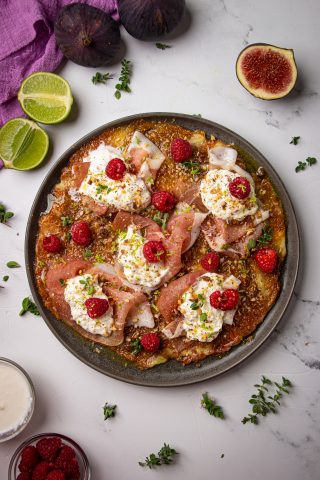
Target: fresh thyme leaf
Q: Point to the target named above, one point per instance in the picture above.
(161, 219)
(87, 253)
(69, 236)
(62, 281)
(211, 406)
(295, 140)
(265, 237)
(311, 161)
(262, 403)
(162, 46)
(13, 264)
(164, 457)
(136, 346)
(109, 410)
(66, 221)
(124, 79)
(29, 306)
(5, 278)
(198, 302)
(101, 78)
(4, 215)
(194, 167)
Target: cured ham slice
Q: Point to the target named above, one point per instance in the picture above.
(80, 171)
(226, 157)
(124, 300)
(146, 157)
(188, 219)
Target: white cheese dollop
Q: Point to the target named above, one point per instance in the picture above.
(215, 195)
(201, 321)
(130, 193)
(136, 268)
(78, 290)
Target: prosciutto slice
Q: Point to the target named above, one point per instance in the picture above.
(145, 156)
(188, 219)
(124, 300)
(80, 171)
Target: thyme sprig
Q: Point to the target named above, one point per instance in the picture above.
(194, 167)
(136, 346)
(124, 79)
(262, 403)
(211, 406)
(264, 239)
(161, 219)
(101, 78)
(164, 457)
(162, 46)
(4, 215)
(303, 165)
(109, 410)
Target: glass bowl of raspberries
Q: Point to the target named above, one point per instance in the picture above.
(49, 456)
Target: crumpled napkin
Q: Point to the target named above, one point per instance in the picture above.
(27, 44)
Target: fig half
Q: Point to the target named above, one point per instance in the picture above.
(87, 35)
(267, 71)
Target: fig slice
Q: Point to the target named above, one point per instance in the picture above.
(267, 71)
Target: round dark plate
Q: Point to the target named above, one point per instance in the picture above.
(171, 373)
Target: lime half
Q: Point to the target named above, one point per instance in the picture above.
(23, 144)
(45, 97)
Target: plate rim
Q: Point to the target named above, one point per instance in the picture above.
(162, 116)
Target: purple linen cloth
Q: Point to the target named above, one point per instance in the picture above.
(27, 44)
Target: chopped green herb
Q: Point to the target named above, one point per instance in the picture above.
(262, 403)
(87, 253)
(13, 264)
(194, 167)
(69, 236)
(66, 221)
(100, 189)
(124, 79)
(311, 161)
(211, 406)
(87, 286)
(198, 302)
(161, 219)
(203, 317)
(62, 281)
(295, 140)
(265, 237)
(136, 346)
(162, 46)
(109, 410)
(29, 306)
(164, 457)
(101, 78)
(303, 165)
(4, 215)
(251, 244)
(5, 278)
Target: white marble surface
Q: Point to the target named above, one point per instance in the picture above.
(197, 75)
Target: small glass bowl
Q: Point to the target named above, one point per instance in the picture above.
(7, 435)
(84, 466)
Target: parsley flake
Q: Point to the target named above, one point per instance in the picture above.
(109, 410)
(211, 406)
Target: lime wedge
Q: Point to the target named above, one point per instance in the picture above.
(23, 144)
(45, 97)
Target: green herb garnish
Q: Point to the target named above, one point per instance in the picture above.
(101, 78)
(203, 317)
(303, 165)
(4, 215)
(162, 46)
(87, 253)
(100, 189)
(62, 281)
(194, 167)
(164, 457)
(66, 221)
(251, 244)
(161, 219)
(5, 278)
(211, 406)
(29, 306)
(69, 236)
(136, 346)
(87, 286)
(109, 410)
(295, 140)
(124, 79)
(198, 302)
(262, 403)
(99, 259)
(13, 264)
(265, 237)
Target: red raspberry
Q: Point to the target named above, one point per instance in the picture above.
(240, 188)
(227, 300)
(210, 261)
(72, 469)
(181, 150)
(29, 459)
(41, 470)
(56, 475)
(154, 251)
(267, 259)
(150, 342)
(163, 201)
(81, 233)
(116, 169)
(52, 244)
(24, 476)
(66, 455)
(96, 307)
(48, 447)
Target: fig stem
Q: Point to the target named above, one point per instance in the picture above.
(86, 41)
